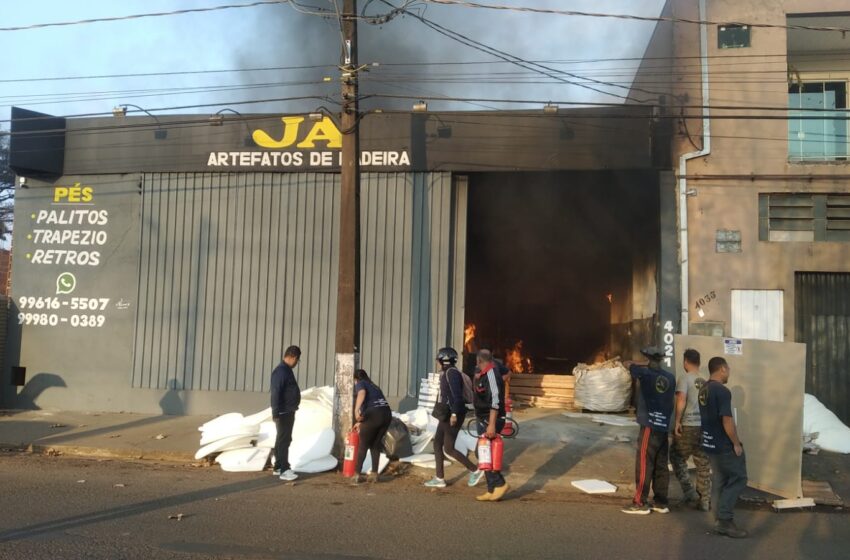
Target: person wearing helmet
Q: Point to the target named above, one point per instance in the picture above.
(451, 396)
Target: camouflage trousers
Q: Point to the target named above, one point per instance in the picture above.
(685, 446)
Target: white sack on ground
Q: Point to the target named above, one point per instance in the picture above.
(383, 461)
(833, 435)
(306, 449)
(251, 459)
(312, 436)
(604, 387)
(224, 444)
(324, 464)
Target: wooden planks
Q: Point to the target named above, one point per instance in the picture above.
(543, 391)
(821, 493)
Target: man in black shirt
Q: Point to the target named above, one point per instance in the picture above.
(721, 444)
(285, 398)
(654, 415)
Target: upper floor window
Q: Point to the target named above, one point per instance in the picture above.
(817, 121)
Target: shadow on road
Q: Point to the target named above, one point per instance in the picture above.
(76, 521)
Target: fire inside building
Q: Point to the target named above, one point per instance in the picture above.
(167, 263)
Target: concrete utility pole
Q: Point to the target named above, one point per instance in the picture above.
(348, 294)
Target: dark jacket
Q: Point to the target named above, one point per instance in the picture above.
(489, 392)
(286, 396)
(657, 390)
(451, 390)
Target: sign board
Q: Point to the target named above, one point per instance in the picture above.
(75, 282)
(733, 346)
(768, 384)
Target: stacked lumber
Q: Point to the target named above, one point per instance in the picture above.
(542, 391)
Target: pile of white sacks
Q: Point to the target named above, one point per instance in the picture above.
(824, 427)
(245, 443)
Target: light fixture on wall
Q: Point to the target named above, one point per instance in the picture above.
(550, 109)
(420, 107)
(120, 111)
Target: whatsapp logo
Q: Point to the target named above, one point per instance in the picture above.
(65, 283)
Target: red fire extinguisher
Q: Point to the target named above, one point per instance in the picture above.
(508, 430)
(352, 442)
(490, 453)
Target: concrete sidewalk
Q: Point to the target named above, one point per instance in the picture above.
(551, 451)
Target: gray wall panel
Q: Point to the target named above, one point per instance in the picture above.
(221, 292)
(234, 267)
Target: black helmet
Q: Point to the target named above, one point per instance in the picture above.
(447, 356)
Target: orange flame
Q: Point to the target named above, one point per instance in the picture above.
(468, 336)
(516, 361)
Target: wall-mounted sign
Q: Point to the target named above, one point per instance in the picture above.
(733, 346)
(299, 144)
(68, 233)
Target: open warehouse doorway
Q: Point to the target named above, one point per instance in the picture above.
(561, 266)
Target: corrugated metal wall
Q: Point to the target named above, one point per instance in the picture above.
(823, 322)
(413, 265)
(236, 266)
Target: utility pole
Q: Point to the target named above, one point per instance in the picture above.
(348, 289)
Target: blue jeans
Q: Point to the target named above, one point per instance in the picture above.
(729, 479)
(494, 478)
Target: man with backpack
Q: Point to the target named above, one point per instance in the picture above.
(450, 412)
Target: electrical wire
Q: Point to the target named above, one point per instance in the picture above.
(465, 40)
(147, 15)
(548, 11)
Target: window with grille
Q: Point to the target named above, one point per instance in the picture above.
(804, 217)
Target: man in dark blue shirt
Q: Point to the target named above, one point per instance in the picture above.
(655, 411)
(285, 397)
(720, 442)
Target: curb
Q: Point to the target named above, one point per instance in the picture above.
(102, 452)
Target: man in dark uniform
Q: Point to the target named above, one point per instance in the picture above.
(285, 397)
(725, 451)
(654, 415)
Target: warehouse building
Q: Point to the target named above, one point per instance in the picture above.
(164, 264)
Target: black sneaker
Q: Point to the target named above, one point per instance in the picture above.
(727, 527)
(660, 508)
(637, 509)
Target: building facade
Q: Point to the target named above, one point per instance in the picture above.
(761, 155)
(164, 265)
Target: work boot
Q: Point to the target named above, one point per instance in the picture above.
(690, 499)
(704, 505)
(356, 480)
(488, 497)
(372, 477)
(727, 527)
(499, 492)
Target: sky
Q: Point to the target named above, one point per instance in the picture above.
(280, 36)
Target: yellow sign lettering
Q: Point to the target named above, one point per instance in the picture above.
(322, 131)
(290, 133)
(326, 131)
(75, 193)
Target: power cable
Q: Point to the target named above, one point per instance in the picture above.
(465, 40)
(548, 11)
(147, 15)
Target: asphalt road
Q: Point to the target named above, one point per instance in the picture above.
(57, 507)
